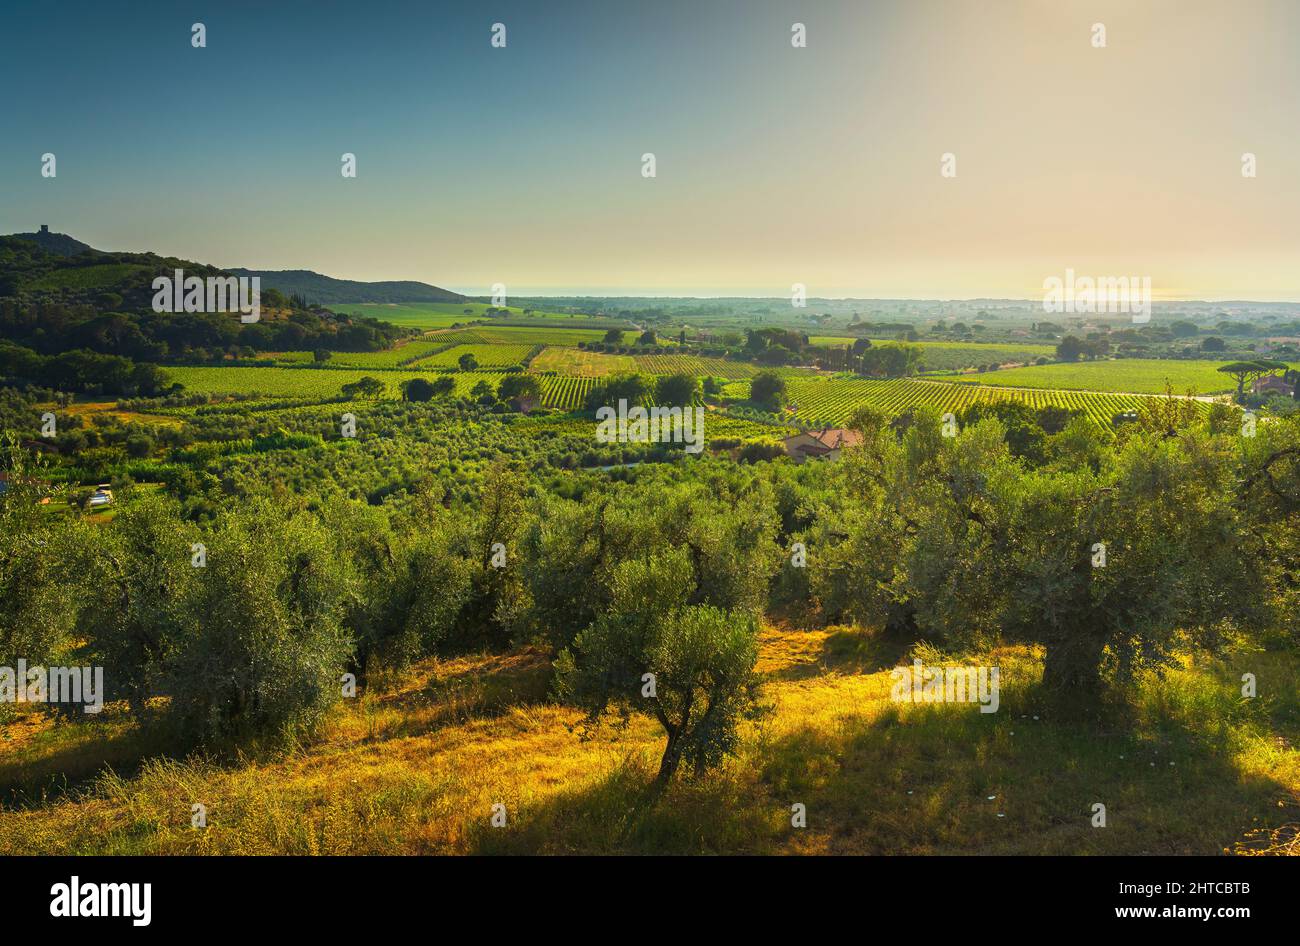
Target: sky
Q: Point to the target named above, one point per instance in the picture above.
(775, 165)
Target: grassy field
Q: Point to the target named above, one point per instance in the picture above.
(527, 335)
(1134, 375)
(435, 315)
(427, 315)
(1188, 768)
(581, 363)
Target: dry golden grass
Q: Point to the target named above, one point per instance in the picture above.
(418, 768)
(92, 409)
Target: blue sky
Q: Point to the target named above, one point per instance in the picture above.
(775, 165)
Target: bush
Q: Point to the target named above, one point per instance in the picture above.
(264, 662)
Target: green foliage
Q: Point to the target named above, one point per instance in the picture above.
(951, 538)
(141, 576)
(676, 390)
(366, 387)
(633, 388)
(692, 666)
(890, 360)
(420, 389)
(40, 585)
(517, 386)
(572, 549)
(265, 661)
(768, 390)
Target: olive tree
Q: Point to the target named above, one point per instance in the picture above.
(40, 585)
(690, 666)
(265, 644)
(143, 571)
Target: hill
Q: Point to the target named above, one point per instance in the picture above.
(326, 290)
(57, 243)
(59, 264)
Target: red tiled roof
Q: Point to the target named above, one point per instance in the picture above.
(836, 437)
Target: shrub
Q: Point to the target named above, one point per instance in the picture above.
(266, 646)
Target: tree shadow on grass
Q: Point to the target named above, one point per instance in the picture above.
(847, 650)
(711, 815)
(66, 755)
(947, 779)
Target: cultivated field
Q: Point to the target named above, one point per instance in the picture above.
(580, 362)
(526, 335)
(833, 401)
(436, 315)
(1134, 375)
(561, 392)
(489, 356)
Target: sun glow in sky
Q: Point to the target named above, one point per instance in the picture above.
(775, 165)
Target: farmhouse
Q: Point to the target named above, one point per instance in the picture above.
(826, 443)
(1273, 384)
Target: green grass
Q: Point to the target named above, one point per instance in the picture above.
(1133, 375)
(437, 315)
(428, 315)
(527, 335)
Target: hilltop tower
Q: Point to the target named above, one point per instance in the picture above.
(45, 228)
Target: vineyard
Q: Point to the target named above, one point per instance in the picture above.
(397, 357)
(307, 382)
(833, 401)
(565, 392)
(558, 391)
(1137, 375)
(489, 356)
(695, 365)
(816, 401)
